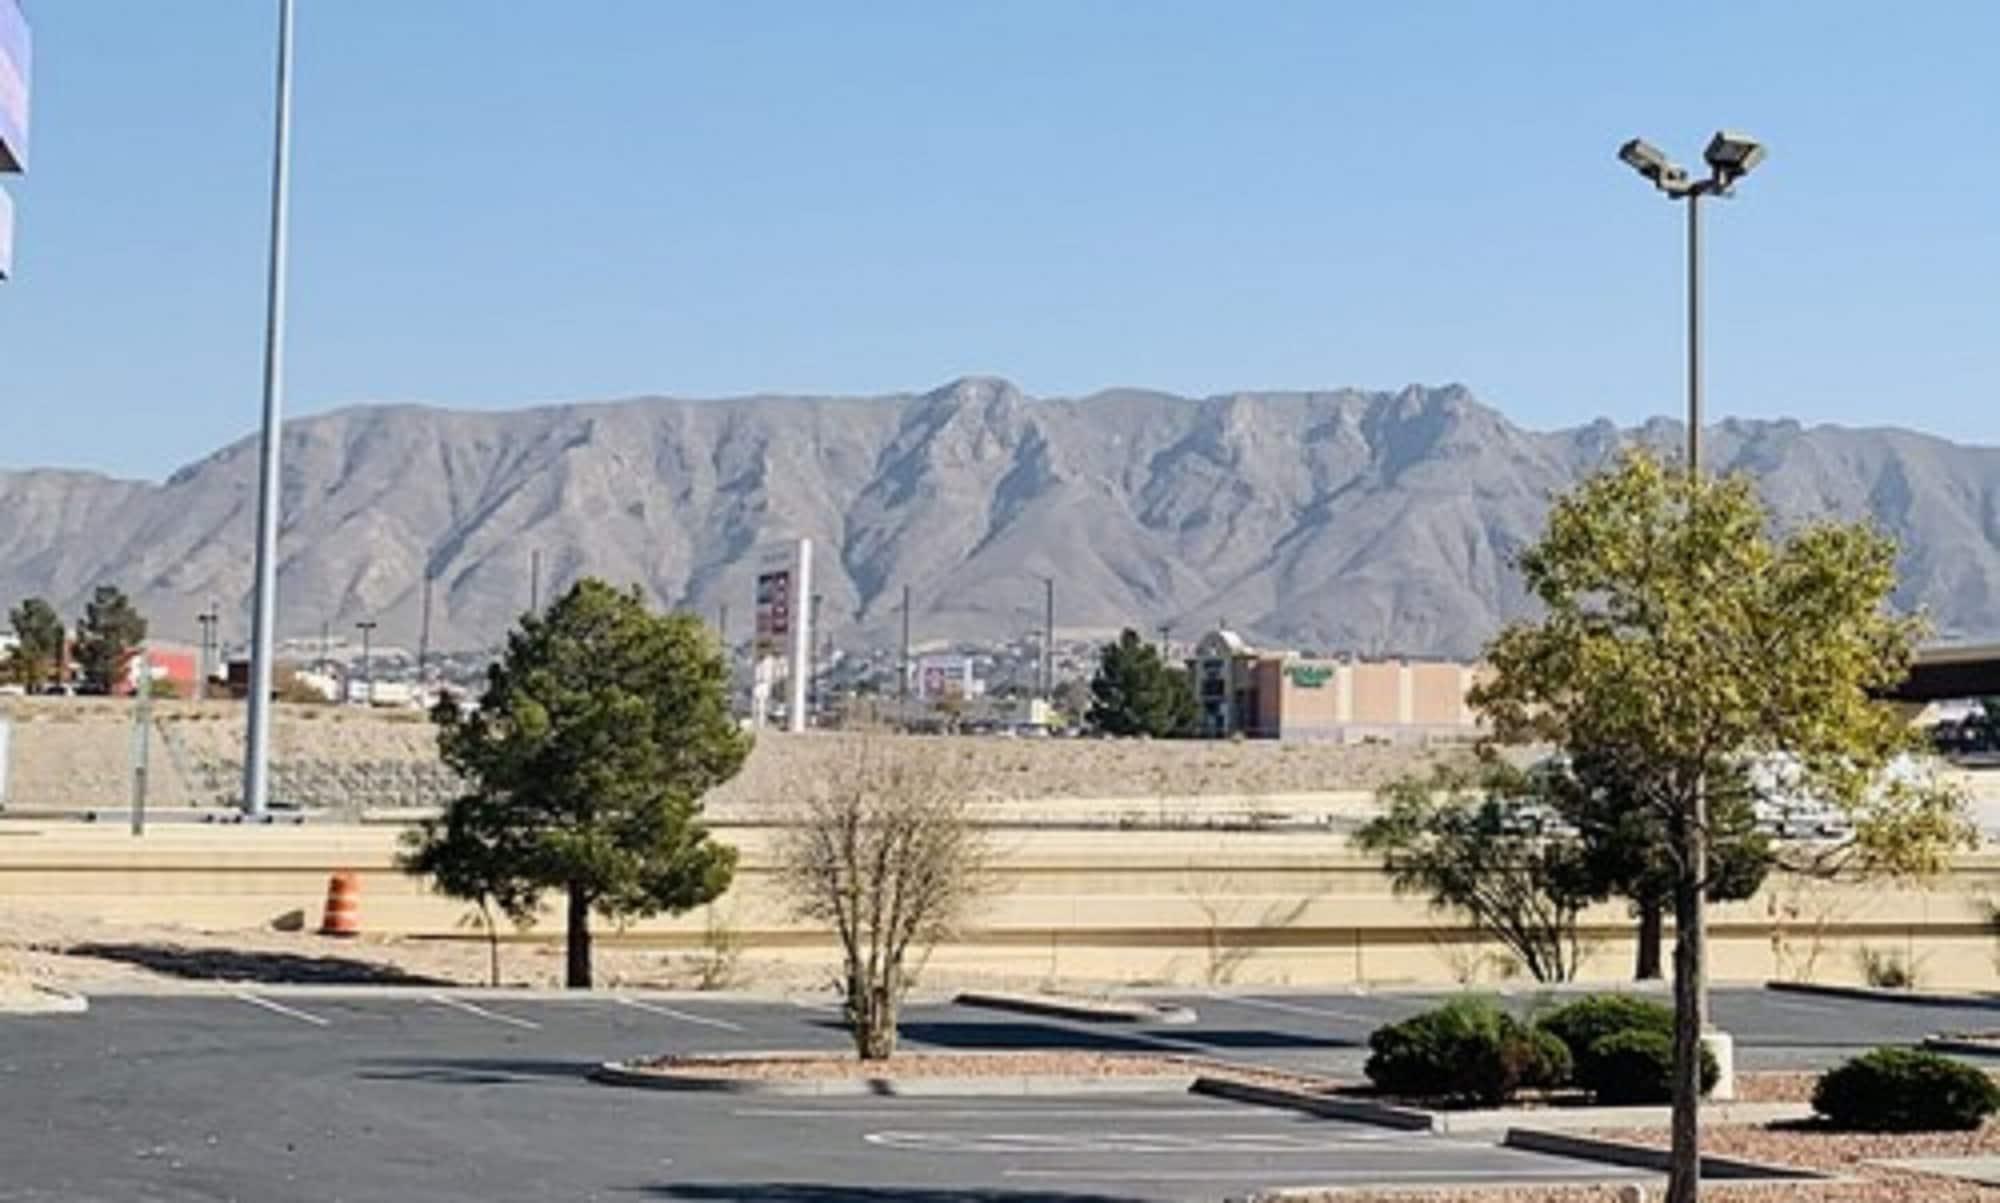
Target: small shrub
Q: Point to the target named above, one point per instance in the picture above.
(1887, 970)
(1637, 1066)
(1583, 1023)
(1903, 1090)
(1622, 1048)
(1468, 1050)
(1595, 1016)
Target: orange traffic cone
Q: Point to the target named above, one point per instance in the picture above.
(343, 905)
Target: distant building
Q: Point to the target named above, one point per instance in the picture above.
(1263, 694)
(175, 665)
(937, 677)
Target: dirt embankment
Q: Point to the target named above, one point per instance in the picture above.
(76, 753)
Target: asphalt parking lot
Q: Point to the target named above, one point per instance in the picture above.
(267, 1094)
(1328, 1032)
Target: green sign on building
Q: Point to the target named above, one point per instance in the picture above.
(1309, 676)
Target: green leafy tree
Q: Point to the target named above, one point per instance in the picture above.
(1625, 848)
(1135, 692)
(1679, 639)
(38, 654)
(110, 629)
(585, 761)
(1478, 842)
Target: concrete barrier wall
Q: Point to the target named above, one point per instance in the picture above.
(1184, 907)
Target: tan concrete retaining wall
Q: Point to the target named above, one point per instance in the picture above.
(1188, 907)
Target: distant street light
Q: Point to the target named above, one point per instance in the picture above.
(1730, 157)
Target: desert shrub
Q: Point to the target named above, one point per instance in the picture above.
(1583, 1023)
(1621, 1047)
(1903, 1090)
(1887, 970)
(1637, 1066)
(1469, 1050)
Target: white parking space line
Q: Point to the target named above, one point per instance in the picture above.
(683, 1016)
(1014, 1113)
(458, 1004)
(282, 1009)
(1296, 1008)
(1497, 1178)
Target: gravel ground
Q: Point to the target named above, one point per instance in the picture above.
(1846, 1153)
(800, 1067)
(83, 954)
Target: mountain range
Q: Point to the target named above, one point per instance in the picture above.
(1342, 521)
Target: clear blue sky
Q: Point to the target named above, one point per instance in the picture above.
(504, 203)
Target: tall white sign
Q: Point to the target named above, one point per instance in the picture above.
(783, 631)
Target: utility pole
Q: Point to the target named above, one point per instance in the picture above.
(325, 647)
(1166, 635)
(903, 678)
(1048, 639)
(535, 582)
(424, 631)
(264, 609)
(211, 648)
(367, 629)
(812, 658)
(142, 725)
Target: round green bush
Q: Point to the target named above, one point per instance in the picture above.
(1903, 1090)
(1581, 1024)
(1637, 1066)
(1469, 1050)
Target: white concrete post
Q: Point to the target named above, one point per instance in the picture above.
(802, 636)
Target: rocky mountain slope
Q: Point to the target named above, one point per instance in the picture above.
(1346, 520)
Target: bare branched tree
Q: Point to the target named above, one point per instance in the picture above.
(884, 851)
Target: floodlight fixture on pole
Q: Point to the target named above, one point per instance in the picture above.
(1730, 156)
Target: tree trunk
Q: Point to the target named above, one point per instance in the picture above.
(1690, 997)
(492, 944)
(872, 1021)
(1652, 935)
(578, 977)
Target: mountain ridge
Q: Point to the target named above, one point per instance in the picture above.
(1340, 519)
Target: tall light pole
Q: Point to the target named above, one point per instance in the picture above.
(1730, 156)
(263, 617)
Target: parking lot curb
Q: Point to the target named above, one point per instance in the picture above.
(1484, 1120)
(1962, 1046)
(1921, 998)
(1648, 1157)
(46, 1000)
(1088, 1010)
(613, 1073)
(1364, 1111)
